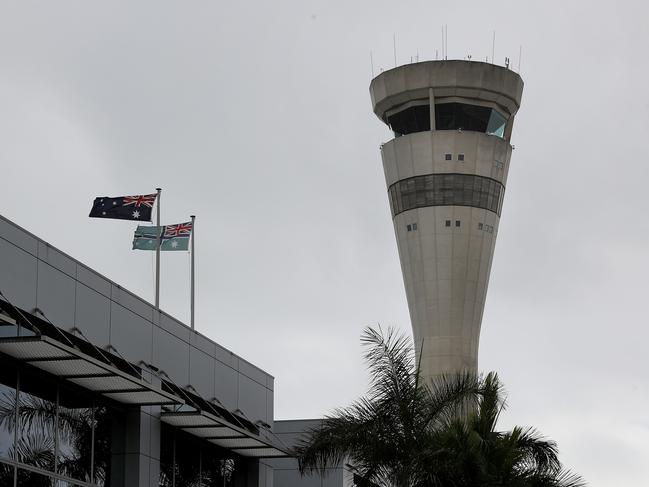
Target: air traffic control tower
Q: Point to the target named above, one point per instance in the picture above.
(446, 172)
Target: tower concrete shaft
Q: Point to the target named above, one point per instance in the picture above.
(446, 172)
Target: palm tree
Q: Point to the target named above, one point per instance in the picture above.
(404, 433)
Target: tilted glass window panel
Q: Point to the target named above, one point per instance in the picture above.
(447, 190)
(497, 123)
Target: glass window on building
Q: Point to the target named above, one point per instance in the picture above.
(109, 428)
(28, 478)
(6, 475)
(75, 422)
(8, 375)
(36, 438)
(187, 461)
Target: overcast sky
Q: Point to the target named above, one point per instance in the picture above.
(256, 116)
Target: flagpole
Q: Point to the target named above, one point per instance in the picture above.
(157, 252)
(193, 217)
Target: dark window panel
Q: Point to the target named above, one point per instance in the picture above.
(36, 421)
(27, 478)
(6, 475)
(462, 116)
(411, 120)
(109, 435)
(446, 190)
(187, 471)
(7, 407)
(75, 422)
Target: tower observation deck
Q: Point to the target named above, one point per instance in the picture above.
(446, 173)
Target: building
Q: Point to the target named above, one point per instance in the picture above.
(446, 171)
(285, 470)
(99, 388)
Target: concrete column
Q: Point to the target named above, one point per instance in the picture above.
(431, 102)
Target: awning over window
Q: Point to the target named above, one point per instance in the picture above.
(224, 434)
(66, 362)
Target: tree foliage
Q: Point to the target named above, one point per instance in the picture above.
(405, 433)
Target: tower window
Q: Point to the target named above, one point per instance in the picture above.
(448, 223)
(446, 190)
(409, 228)
(410, 120)
(457, 223)
(460, 157)
(414, 226)
(454, 116)
(480, 226)
(448, 157)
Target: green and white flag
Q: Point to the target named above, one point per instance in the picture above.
(174, 237)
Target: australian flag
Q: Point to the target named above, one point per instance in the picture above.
(136, 208)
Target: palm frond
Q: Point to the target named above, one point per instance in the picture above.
(34, 449)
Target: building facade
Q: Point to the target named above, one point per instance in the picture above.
(446, 172)
(99, 388)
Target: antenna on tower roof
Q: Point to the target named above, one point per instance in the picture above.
(446, 42)
(442, 42)
(394, 45)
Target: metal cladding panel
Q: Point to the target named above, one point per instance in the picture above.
(92, 315)
(56, 294)
(241, 442)
(131, 334)
(18, 279)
